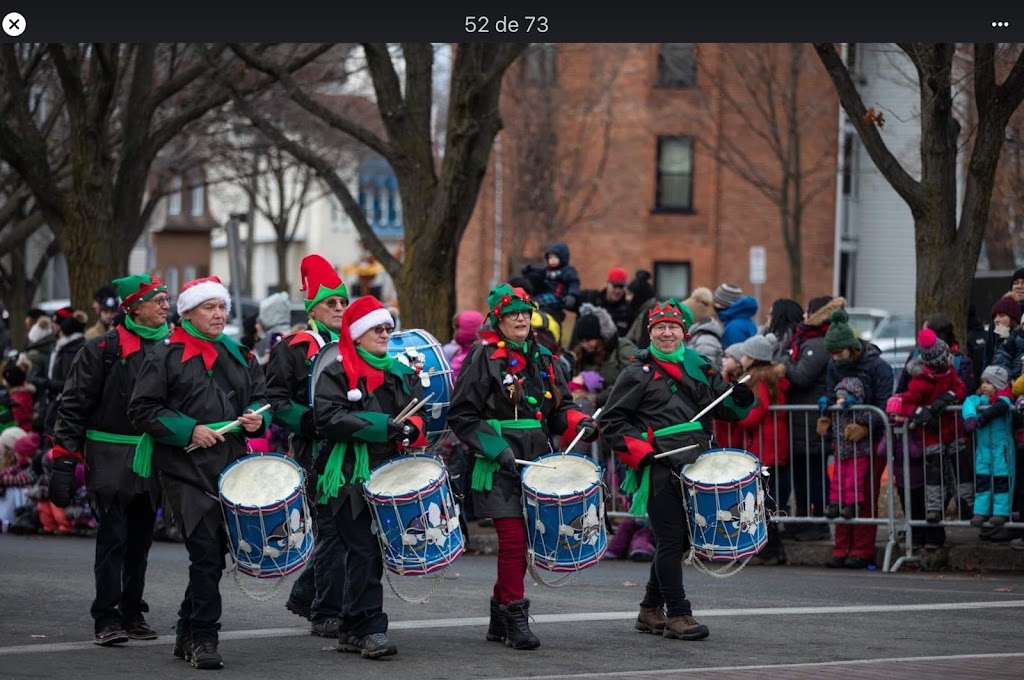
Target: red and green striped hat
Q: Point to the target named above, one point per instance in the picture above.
(670, 311)
(136, 289)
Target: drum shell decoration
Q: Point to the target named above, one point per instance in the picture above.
(727, 519)
(419, 530)
(271, 540)
(420, 350)
(565, 531)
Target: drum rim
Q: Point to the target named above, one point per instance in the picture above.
(434, 483)
(250, 458)
(728, 483)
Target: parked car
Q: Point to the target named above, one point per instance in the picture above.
(897, 333)
(51, 306)
(864, 320)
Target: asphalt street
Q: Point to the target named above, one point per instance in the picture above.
(765, 622)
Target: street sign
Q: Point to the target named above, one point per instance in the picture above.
(758, 264)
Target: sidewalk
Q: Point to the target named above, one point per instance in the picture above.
(963, 551)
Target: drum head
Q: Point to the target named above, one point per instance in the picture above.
(722, 466)
(323, 359)
(567, 475)
(260, 480)
(404, 475)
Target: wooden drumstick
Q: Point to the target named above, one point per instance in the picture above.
(226, 428)
(408, 407)
(412, 408)
(530, 462)
(722, 396)
(579, 435)
(679, 450)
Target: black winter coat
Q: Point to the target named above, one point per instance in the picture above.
(62, 359)
(95, 397)
(171, 397)
(480, 395)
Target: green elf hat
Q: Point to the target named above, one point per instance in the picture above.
(320, 280)
(505, 299)
(670, 311)
(136, 289)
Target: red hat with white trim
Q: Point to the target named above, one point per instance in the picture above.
(195, 293)
(362, 315)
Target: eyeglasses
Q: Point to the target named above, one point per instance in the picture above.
(161, 301)
(336, 303)
(521, 314)
(381, 330)
(617, 285)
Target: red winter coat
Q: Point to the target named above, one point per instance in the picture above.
(924, 388)
(766, 433)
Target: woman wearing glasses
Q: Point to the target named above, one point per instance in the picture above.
(356, 400)
(91, 419)
(509, 399)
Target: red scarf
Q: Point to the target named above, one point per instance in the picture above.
(802, 334)
(673, 370)
(193, 346)
(130, 343)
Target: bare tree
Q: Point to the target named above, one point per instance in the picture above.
(117, 106)
(438, 195)
(560, 145)
(947, 246)
(766, 91)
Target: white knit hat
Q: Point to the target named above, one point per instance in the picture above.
(195, 293)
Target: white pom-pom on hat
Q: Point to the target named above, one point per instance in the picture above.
(354, 395)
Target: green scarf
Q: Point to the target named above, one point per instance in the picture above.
(233, 348)
(673, 358)
(146, 332)
(333, 477)
(517, 346)
(324, 329)
(383, 363)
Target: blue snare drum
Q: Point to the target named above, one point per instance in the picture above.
(725, 503)
(414, 514)
(421, 350)
(268, 524)
(564, 508)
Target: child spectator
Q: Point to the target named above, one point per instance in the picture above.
(556, 287)
(728, 434)
(16, 475)
(766, 434)
(465, 326)
(849, 482)
(994, 447)
(932, 387)
(21, 394)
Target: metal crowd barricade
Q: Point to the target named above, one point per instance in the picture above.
(801, 421)
(949, 471)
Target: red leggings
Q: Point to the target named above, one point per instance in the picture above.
(511, 559)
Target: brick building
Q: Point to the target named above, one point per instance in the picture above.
(632, 154)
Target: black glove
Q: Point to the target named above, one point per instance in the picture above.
(412, 432)
(569, 302)
(403, 430)
(922, 416)
(943, 401)
(62, 481)
(590, 428)
(507, 460)
(649, 459)
(742, 395)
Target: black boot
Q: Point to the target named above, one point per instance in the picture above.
(496, 628)
(205, 654)
(517, 625)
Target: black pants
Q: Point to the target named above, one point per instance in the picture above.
(201, 608)
(123, 538)
(928, 535)
(348, 571)
(669, 523)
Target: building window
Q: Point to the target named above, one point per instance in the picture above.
(189, 272)
(379, 198)
(539, 64)
(196, 200)
(849, 151)
(675, 174)
(677, 65)
(171, 280)
(174, 196)
(672, 279)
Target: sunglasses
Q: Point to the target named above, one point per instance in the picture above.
(335, 303)
(381, 330)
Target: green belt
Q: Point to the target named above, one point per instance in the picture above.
(640, 484)
(142, 463)
(483, 471)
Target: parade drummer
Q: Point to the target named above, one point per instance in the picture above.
(356, 401)
(287, 374)
(90, 420)
(509, 399)
(649, 412)
(193, 384)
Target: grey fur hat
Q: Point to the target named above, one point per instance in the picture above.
(758, 348)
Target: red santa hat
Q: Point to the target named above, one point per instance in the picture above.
(362, 315)
(195, 293)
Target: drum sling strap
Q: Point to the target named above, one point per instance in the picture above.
(483, 471)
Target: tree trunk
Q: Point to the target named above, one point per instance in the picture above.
(427, 291)
(944, 273)
(281, 248)
(17, 297)
(94, 258)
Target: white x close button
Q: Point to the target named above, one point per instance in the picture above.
(14, 24)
